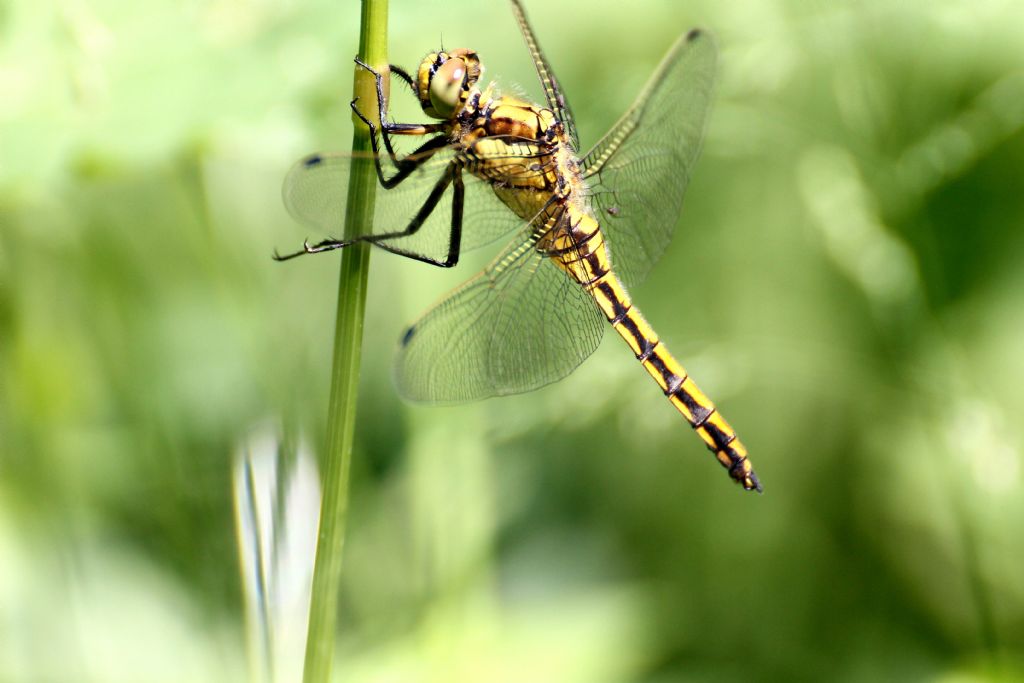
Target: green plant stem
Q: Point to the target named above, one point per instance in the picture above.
(348, 335)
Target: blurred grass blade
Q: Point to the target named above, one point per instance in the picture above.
(277, 499)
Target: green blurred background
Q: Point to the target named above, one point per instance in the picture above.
(847, 282)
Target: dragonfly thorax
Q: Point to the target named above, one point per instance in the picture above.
(446, 80)
(512, 144)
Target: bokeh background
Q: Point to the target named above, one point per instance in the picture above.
(847, 282)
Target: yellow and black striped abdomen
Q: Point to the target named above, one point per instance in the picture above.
(675, 383)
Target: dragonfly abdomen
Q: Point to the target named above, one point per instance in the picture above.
(675, 382)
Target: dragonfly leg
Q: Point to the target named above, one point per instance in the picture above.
(407, 164)
(388, 129)
(452, 176)
(403, 74)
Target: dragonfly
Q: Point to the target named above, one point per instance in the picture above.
(493, 164)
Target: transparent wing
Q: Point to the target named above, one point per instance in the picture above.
(552, 92)
(639, 171)
(316, 189)
(519, 324)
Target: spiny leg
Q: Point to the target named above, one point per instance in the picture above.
(452, 176)
(405, 167)
(388, 129)
(402, 74)
(407, 164)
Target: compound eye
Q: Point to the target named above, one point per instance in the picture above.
(446, 85)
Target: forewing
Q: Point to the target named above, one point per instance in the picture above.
(638, 172)
(316, 191)
(552, 91)
(519, 324)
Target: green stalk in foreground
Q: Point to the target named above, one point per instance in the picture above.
(348, 335)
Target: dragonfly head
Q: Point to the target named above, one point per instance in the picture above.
(445, 81)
